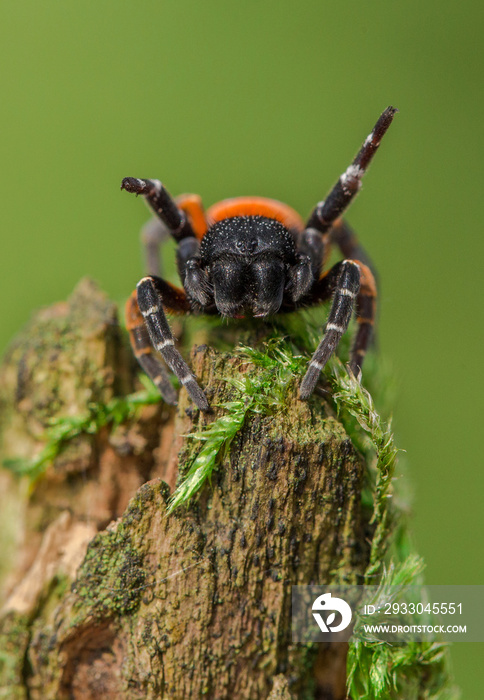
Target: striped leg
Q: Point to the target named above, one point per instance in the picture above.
(316, 246)
(161, 202)
(349, 183)
(344, 280)
(342, 235)
(365, 317)
(152, 294)
(143, 350)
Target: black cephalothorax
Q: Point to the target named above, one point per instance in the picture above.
(252, 256)
(248, 265)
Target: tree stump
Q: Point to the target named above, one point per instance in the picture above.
(109, 596)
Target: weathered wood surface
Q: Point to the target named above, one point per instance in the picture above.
(108, 596)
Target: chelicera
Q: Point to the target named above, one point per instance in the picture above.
(252, 256)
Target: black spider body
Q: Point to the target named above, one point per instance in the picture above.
(248, 266)
(252, 256)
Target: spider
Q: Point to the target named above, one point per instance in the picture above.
(253, 256)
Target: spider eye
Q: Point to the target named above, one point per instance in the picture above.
(246, 247)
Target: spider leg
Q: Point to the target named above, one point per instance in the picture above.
(316, 246)
(153, 235)
(342, 235)
(342, 282)
(143, 350)
(365, 317)
(153, 294)
(324, 226)
(192, 205)
(351, 284)
(325, 213)
(183, 218)
(163, 205)
(345, 238)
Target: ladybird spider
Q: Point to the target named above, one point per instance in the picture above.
(254, 256)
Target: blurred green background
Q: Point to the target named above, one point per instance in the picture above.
(271, 98)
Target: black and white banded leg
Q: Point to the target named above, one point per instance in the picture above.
(326, 212)
(344, 280)
(144, 352)
(150, 292)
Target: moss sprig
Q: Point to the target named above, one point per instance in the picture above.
(256, 393)
(379, 670)
(64, 429)
(216, 439)
(351, 397)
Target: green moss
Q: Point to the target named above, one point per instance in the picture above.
(64, 430)
(414, 670)
(378, 670)
(113, 576)
(14, 640)
(263, 390)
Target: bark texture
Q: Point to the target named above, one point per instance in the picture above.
(106, 594)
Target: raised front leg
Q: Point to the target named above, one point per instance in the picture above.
(315, 240)
(349, 182)
(161, 202)
(183, 219)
